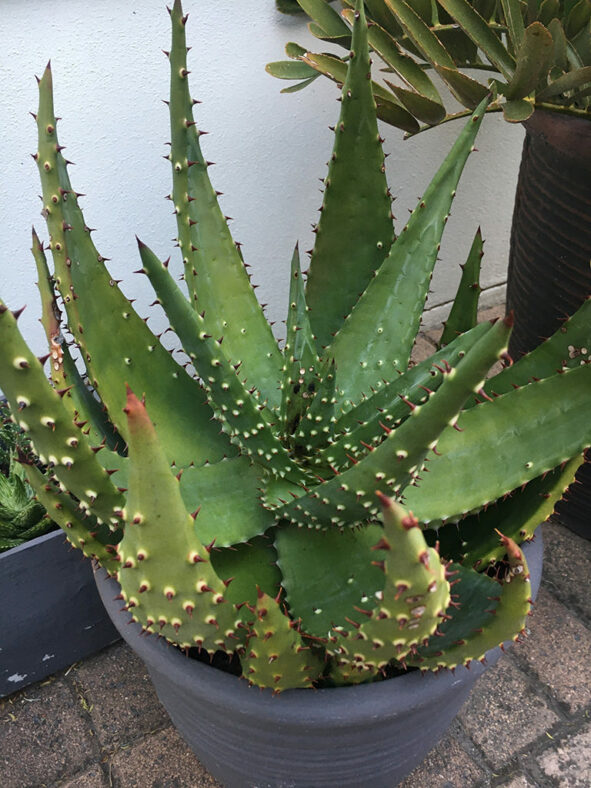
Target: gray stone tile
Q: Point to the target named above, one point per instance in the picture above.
(422, 349)
(44, 735)
(567, 567)
(121, 699)
(447, 766)
(161, 760)
(92, 778)
(558, 650)
(518, 781)
(504, 714)
(569, 765)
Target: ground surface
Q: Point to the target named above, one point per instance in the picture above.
(526, 724)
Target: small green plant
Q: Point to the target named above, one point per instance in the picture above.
(539, 52)
(307, 507)
(21, 517)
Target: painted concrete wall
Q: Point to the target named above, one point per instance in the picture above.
(271, 149)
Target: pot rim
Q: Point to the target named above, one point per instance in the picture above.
(363, 701)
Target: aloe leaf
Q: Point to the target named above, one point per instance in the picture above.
(188, 607)
(243, 415)
(229, 301)
(570, 81)
(533, 61)
(464, 311)
(276, 655)
(517, 111)
(319, 419)
(473, 541)
(514, 20)
(83, 405)
(567, 348)
(424, 109)
(462, 642)
(409, 609)
(420, 33)
(482, 35)
(468, 91)
(323, 586)
(227, 497)
(55, 439)
(128, 351)
(299, 376)
(349, 497)
(517, 437)
(355, 228)
(94, 540)
(378, 336)
(249, 564)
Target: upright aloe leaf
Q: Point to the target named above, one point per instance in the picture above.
(229, 303)
(464, 311)
(355, 231)
(389, 311)
(128, 351)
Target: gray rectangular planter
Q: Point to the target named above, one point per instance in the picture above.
(50, 611)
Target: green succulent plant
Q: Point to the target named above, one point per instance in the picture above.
(306, 506)
(21, 517)
(539, 53)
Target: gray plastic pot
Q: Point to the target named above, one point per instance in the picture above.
(50, 612)
(349, 737)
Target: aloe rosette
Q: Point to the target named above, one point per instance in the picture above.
(323, 508)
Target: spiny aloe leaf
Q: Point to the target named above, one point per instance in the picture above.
(327, 574)
(349, 497)
(226, 495)
(43, 415)
(414, 598)
(250, 565)
(390, 405)
(465, 643)
(515, 438)
(229, 302)
(128, 351)
(276, 655)
(355, 229)
(464, 311)
(84, 407)
(300, 359)
(186, 605)
(567, 348)
(473, 541)
(319, 419)
(82, 531)
(368, 350)
(245, 420)
(534, 58)
(479, 31)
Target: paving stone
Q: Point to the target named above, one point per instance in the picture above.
(504, 714)
(519, 781)
(446, 766)
(44, 737)
(569, 765)
(422, 349)
(161, 760)
(567, 567)
(558, 650)
(122, 701)
(93, 778)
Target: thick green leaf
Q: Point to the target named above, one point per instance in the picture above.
(300, 85)
(424, 109)
(327, 19)
(290, 69)
(534, 58)
(514, 20)
(518, 111)
(420, 34)
(464, 312)
(468, 91)
(565, 83)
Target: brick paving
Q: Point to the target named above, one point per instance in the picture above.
(527, 723)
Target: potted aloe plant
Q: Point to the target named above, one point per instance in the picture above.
(313, 515)
(537, 59)
(51, 614)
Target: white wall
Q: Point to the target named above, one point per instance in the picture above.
(271, 149)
